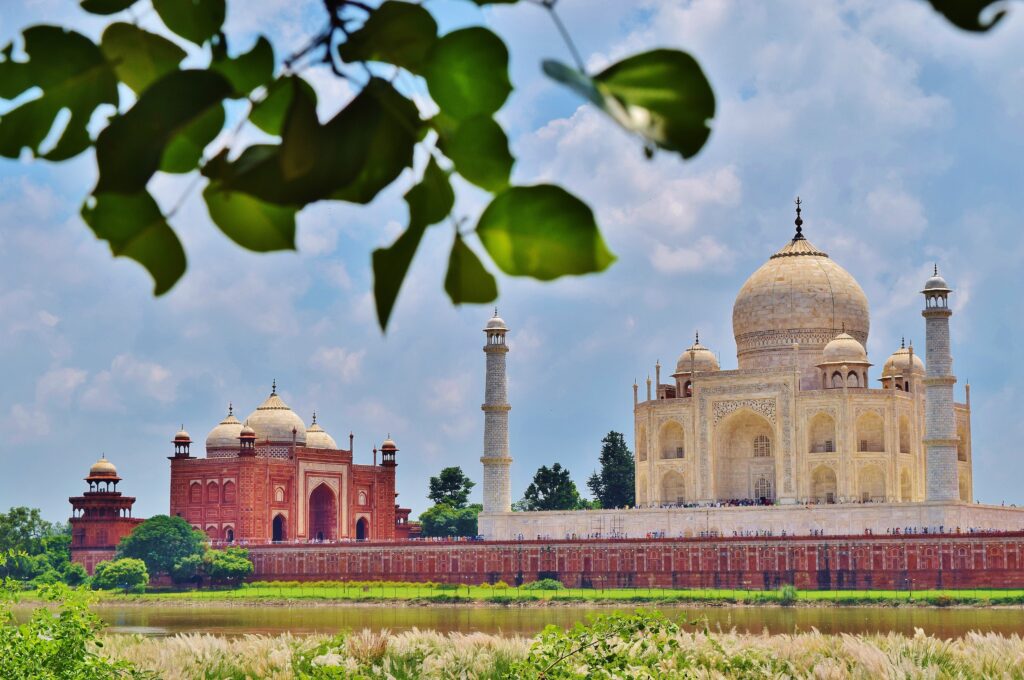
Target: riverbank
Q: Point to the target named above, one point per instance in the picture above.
(270, 594)
(647, 645)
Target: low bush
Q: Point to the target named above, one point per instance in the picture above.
(545, 584)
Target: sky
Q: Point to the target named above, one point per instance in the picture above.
(903, 136)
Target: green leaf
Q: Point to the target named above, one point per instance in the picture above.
(106, 6)
(135, 228)
(72, 74)
(393, 135)
(194, 20)
(398, 33)
(130, 149)
(139, 57)
(966, 14)
(543, 232)
(432, 199)
(248, 71)
(661, 95)
(467, 280)
(479, 148)
(250, 222)
(268, 115)
(185, 149)
(467, 73)
(389, 268)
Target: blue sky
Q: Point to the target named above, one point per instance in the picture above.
(902, 134)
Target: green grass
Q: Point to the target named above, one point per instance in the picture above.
(436, 593)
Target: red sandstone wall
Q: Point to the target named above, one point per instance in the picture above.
(951, 561)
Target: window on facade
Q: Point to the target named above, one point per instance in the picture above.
(229, 492)
(212, 493)
(195, 493)
(762, 446)
(853, 380)
(763, 488)
(830, 446)
(362, 498)
(279, 494)
(679, 452)
(837, 379)
(101, 536)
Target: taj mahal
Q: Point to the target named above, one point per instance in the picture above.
(798, 440)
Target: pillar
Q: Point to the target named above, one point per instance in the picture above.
(496, 459)
(940, 437)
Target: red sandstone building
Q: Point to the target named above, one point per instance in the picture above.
(273, 479)
(100, 517)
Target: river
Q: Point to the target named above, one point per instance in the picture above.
(164, 620)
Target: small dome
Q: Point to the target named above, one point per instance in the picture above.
(696, 357)
(844, 349)
(274, 421)
(496, 323)
(317, 438)
(103, 468)
(389, 445)
(898, 362)
(225, 433)
(182, 436)
(936, 282)
(247, 431)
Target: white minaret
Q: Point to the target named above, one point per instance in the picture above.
(940, 438)
(497, 483)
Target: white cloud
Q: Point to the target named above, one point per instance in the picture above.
(706, 253)
(338, 363)
(59, 384)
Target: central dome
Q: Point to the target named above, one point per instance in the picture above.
(274, 421)
(799, 296)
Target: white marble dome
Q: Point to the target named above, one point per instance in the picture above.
(898, 362)
(225, 434)
(844, 349)
(698, 358)
(317, 437)
(273, 421)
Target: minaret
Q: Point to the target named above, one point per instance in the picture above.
(940, 438)
(497, 483)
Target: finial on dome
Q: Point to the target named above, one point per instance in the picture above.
(935, 272)
(696, 337)
(495, 311)
(799, 222)
(314, 418)
(903, 344)
(231, 409)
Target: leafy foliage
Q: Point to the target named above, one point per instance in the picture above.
(254, 193)
(38, 551)
(223, 567)
(614, 485)
(551, 489)
(451, 487)
(161, 542)
(55, 647)
(126, 574)
(444, 520)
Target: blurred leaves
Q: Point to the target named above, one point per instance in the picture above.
(398, 33)
(467, 73)
(134, 227)
(106, 6)
(72, 75)
(966, 14)
(479, 149)
(139, 57)
(194, 20)
(661, 95)
(247, 71)
(250, 222)
(544, 232)
(467, 280)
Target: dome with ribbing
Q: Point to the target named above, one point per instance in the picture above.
(275, 422)
(103, 468)
(800, 296)
(225, 434)
(899, 361)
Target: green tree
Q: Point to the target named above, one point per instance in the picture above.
(451, 487)
(230, 566)
(125, 573)
(75, 574)
(444, 520)
(161, 542)
(614, 485)
(552, 489)
(41, 549)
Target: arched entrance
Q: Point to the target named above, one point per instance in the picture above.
(823, 484)
(362, 529)
(323, 514)
(745, 458)
(277, 531)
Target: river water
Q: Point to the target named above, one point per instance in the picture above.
(162, 620)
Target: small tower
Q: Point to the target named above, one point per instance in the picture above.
(940, 438)
(496, 459)
(387, 452)
(247, 441)
(100, 517)
(181, 443)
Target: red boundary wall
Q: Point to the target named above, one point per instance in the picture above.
(832, 562)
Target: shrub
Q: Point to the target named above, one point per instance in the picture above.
(500, 585)
(545, 584)
(125, 573)
(788, 595)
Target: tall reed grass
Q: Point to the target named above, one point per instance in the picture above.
(640, 645)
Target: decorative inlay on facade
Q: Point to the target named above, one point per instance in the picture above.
(764, 407)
